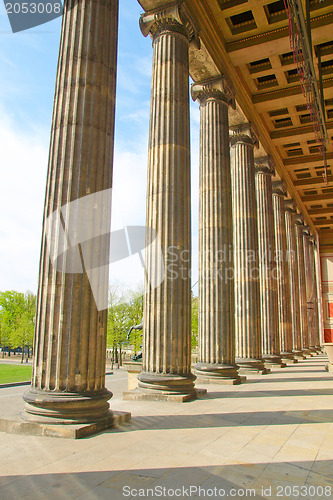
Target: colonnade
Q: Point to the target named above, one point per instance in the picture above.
(258, 304)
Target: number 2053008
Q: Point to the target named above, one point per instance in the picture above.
(33, 8)
(303, 491)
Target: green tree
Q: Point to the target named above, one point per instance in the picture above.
(194, 322)
(117, 321)
(2, 338)
(135, 315)
(23, 334)
(12, 306)
(125, 310)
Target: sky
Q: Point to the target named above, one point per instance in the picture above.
(28, 63)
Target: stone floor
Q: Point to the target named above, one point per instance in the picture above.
(269, 438)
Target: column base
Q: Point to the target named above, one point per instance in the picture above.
(273, 361)
(288, 358)
(133, 366)
(308, 352)
(248, 366)
(313, 350)
(329, 367)
(298, 354)
(60, 407)
(140, 395)
(164, 387)
(214, 373)
(72, 431)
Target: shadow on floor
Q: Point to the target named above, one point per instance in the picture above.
(291, 380)
(233, 419)
(268, 393)
(255, 480)
(296, 370)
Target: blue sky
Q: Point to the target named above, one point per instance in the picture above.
(28, 62)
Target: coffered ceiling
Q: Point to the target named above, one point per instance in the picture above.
(248, 40)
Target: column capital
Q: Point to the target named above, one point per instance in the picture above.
(264, 165)
(279, 188)
(220, 88)
(306, 230)
(244, 132)
(173, 17)
(290, 206)
(299, 219)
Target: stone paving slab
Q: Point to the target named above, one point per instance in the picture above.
(15, 425)
(271, 432)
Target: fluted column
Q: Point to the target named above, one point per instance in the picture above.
(299, 221)
(216, 320)
(282, 273)
(316, 333)
(319, 295)
(309, 286)
(266, 246)
(247, 293)
(290, 212)
(68, 381)
(167, 306)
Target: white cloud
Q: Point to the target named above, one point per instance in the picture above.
(23, 173)
(129, 201)
(28, 62)
(24, 154)
(129, 186)
(129, 207)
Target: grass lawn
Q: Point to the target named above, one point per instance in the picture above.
(14, 373)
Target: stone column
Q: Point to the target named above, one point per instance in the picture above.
(319, 295)
(266, 245)
(299, 221)
(316, 334)
(243, 138)
(167, 305)
(290, 212)
(309, 287)
(68, 380)
(282, 274)
(216, 286)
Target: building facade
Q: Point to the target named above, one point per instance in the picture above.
(266, 113)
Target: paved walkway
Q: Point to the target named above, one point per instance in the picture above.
(14, 360)
(269, 438)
